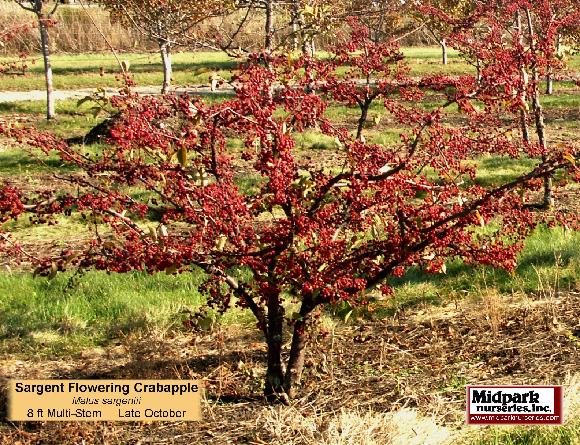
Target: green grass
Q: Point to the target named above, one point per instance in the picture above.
(38, 312)
(71, 120)
(84, 70)
(549, 261)
(96, 308)
(496, 170)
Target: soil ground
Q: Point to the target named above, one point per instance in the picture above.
(415, 363)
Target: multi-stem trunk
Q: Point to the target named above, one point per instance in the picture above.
(364, 115)
(45, 47)
(282, 384)
(274, 384)
(298, 349)
(165, 50)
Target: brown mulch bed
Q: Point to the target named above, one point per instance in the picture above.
(420, 359)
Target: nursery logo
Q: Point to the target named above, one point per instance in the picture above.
(518, 405)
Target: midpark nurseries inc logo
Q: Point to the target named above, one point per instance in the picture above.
(520, 405)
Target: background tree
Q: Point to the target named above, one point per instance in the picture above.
(438, 27)
(517, 41)
(313, 18)
(287, 24)
(387, 19)
(18, 63)
(306, 236)
(167, 22)
(44, 11)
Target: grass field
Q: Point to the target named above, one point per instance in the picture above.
(137, 324)
(84, 71)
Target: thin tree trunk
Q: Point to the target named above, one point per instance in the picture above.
(550, 81)
(443, 44)
(45, 46)
(524, 89)
(269, 26)
(548, 200)
(295, 25)
(550, 73)
(165, 50)
(297, 350)
(274, 384)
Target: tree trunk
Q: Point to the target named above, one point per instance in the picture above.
(297, 350)
(269, 26)
(443, 44)
(312, 46)
(295, 25)
(548, 200)
(165, 50)
(364, 113)
(300, 25)
(549, 82)
(274, 384)
(550, 73)
(45, 46)
(525, 82)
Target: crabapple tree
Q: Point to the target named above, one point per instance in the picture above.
(516, 45)
(306, 235)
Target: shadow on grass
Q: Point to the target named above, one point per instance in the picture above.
(460, 276)
(26, 328)
(17, 107)
(527, 264)
(38, 107)
(12, 163)
(415, 275)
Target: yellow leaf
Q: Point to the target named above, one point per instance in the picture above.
(480, 218)
(221, 243)
(570, 158)
(347, 316)
(171, 269)
(308, 10)
(182, 156)
(163, 231)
